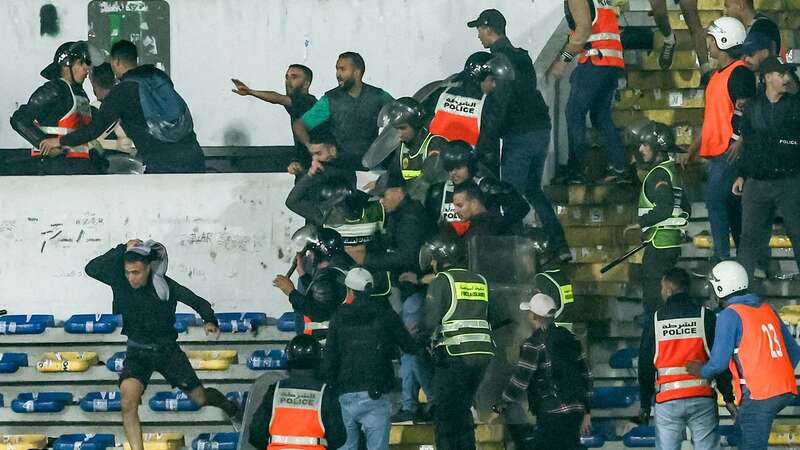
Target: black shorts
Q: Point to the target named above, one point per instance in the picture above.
(168, 360)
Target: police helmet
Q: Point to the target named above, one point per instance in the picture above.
(405, 110)
(728, 277)
(334, 192)
(458, 154)
(446, 249)
(327, 244)
(303, 352)
(727, 32)
(476, 68)
(66, 54)
(659, 137)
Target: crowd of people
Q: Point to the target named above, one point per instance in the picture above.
(383, 270)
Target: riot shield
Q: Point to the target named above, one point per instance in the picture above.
(124, 164)
(254, 399)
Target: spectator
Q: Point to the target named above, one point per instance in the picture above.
(114, 139)
(769, 180)
(692, 18)
(470, 205)
(280, 421)
(56, 108)
(744, 12)
(553, 374)
(364, 334)
(152, 114)
(593, 83)
(352, 109)
(761, 351)
(297, 101)
(756, 50)
(678, 332)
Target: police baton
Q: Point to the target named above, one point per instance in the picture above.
(627, 255)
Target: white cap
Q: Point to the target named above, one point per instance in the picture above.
(542, 305)
(358, 279)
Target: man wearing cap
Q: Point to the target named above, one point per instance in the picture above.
(56, 108)
(756, 49)
(364, 335)
(560, 395)
(744, 11)
(769, 169)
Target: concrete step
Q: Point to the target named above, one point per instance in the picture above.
(665, 116)
(592, 194)
(673, 79)
(647, 99)
(618, 214)
(676, 21)
(57, 335)
(648, 60)
(237, 373)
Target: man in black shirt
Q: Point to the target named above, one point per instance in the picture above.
(769, 170)
(754, 22)
(146, 298)
(297, 101)
(470, 205)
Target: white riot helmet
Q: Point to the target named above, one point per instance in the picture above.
(727, 32)
(728, 277)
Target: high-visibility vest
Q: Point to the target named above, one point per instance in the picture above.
(363, 229)
(458, 117)
(719, 111)
(80, 114)
(411, 164)
(464, 329)
(296, 422)
(678, 341)
(556, 284)
(604, 46)
(761, 361)
(669, 232)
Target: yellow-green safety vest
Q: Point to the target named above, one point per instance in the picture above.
(669, 232)
(411, 165)
(464, 329)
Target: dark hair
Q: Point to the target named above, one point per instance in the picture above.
(306, 71)
(678, 278)
(131, 257)
(471, 190)
(356, 59)
(322, 136)
(126, 51)
(102, 76)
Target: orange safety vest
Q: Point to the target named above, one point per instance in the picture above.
(717, 128)
(296, 422)
(458, 117)
(79, 115)
(448, 210)
(761, 355)
(678, 341)
(605, 44)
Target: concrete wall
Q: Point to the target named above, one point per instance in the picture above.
(406, 43)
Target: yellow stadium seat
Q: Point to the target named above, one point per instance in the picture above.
(780, 241)
(66, 361)
(790, 314)
(703, 240)
(212, 359)
(23, 441)
(784, 435)
(161, 441)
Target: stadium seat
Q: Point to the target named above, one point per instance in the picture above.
(11, 362)
(91, 323)
(238, 322)
(610, 397)
(785, 435)
(114, 363)
(185, 320)
(172, 401)
(703, 240)
(36, 402)
(262, 360)
(23, 441)
(212, 359)
(66, 361)
(22, 324)
(640, 436)
(593, 441)
(790, 314)
(84, 442)
(288, 321)
(627, 358)
(161, 441)
(238, 397)
(101, 401)
(2, 401)
(216, 441)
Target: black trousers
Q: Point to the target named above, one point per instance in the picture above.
(559, 431)
(761, 201)
(655, 262)
(454, 386)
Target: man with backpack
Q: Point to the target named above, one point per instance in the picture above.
(152, 114)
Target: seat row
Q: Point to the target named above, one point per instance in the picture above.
(52, 402)
(102, 441)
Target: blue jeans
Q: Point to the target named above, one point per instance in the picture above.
(698, 413)
(523, 159)
(754, 420)
(724, 208)
(373, 416)
(414, 370)
(592, 91)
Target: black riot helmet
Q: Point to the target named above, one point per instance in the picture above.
(658, 136)
(327, 244)
(406, 110)
(459, 154)
(339, 192)
(446, 249)
(476, 69)
(303, 352)
(66, 54)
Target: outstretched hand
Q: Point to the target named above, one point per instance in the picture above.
(211, 328)
(241, 88)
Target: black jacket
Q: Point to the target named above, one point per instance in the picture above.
(146, 318)
(47, 105)
(335, 432)
(771, 133)
(363, 339)
(487, 224)
(504, 200)
(324, 291)
(303, 199)
(407, 228)
(677, 306)
(123, 104)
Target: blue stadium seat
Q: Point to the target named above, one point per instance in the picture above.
(92, 323)
(640, 436)
(238, 397)
(273, 360)
(610, 397)
(114, 363)
(185, 320)
(102, 401)
(216, 441)
(593, 441)
(627, 358)
(32, 402)
(22, 324)
(11, 362)
(172, 401)
(288, 321)
(2, 401)
(84, 442)
(238, 322)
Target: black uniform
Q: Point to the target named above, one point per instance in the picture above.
(303, 199)
(301, 102)
(504, 201)
(321, 293)
(407, 227)
(149, 322)
(123, 103)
